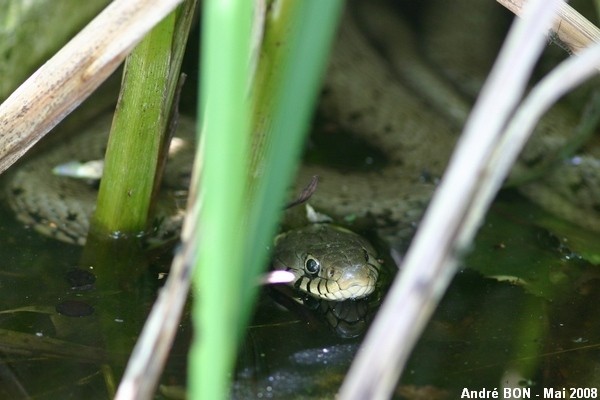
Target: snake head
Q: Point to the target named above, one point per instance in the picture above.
(328, 262)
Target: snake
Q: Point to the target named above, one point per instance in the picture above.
(60, 207)
(402, 91)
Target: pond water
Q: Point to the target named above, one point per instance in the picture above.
(521, 312)
(66, 330)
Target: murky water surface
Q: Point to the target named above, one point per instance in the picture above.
(520, 312)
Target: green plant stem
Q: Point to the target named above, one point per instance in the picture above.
(225, 136)
(143, 111)
(134, 142)
(241, 205)
(295, 53)
(139, 120)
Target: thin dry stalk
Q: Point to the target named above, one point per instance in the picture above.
(451, 220)
(571, 29)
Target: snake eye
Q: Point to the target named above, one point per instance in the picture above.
(312, 266)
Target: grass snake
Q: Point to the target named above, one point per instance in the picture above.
(395, 88)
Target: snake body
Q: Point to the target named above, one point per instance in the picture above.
(61, 207)
(381, 88)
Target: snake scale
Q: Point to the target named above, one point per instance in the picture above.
(405, 92)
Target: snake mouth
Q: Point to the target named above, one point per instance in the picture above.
(356, 282)
(356, 291)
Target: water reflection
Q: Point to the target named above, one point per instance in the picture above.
(64, 332)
